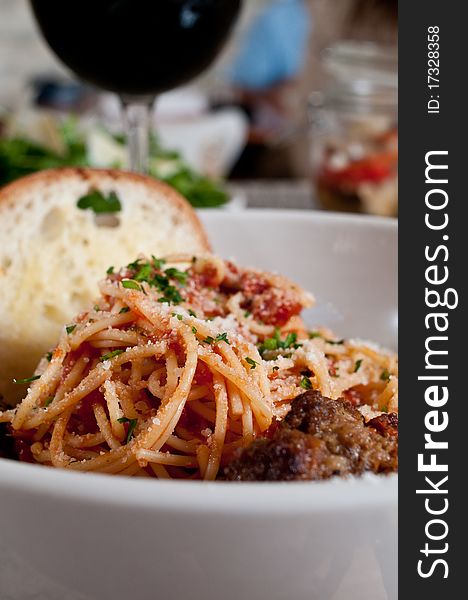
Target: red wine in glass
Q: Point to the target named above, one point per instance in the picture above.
(136, 48)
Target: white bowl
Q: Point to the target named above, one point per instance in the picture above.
(76, 536)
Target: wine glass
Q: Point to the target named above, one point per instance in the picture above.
(136, 48)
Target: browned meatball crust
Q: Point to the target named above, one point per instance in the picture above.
(319, 438)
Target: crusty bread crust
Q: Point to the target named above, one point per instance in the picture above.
(96, 177)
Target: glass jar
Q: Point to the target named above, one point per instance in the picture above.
(354, 138)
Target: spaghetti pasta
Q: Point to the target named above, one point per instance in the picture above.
(181, 362)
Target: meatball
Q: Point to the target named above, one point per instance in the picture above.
(318, 439)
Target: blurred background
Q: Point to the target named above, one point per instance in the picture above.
(299, 111)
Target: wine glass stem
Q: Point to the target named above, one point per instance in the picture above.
(137, 113)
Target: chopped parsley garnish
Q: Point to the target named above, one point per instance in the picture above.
(150, 273)
(194, 330)
(276, 343)
(171, 294)
(70, 329)
(357, 365)
(179, 317)
(110, 355)
(49, 356)
(290, 341)
(385, 376)
(123, 310)
(222, 337)
(384, 409)
(269, 344)
(158, 263)
(48, 401)
(110, 270)
(305, 383)
(130, 284)
(335, 342)
(99, 203)
(253, 363)
(132, 423)
(180, 276)
(96, 308)
(191, 313)
(27, 380)
(143, 272)
(314, 334)
(247, 314)
(134, 265)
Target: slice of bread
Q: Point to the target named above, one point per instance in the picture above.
(52, 254)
